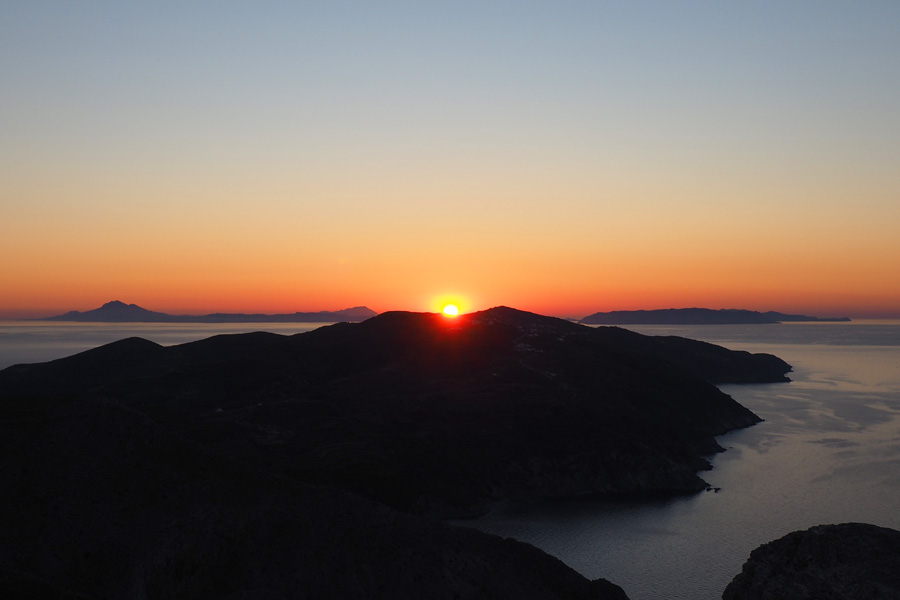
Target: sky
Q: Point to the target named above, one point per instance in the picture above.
(559, 157)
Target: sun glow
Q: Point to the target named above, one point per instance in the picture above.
(449, 304)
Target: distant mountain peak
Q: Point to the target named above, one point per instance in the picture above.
(119, 306)
(116, 311)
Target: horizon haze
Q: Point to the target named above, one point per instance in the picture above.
(116, 311)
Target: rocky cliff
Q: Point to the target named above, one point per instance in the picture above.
(101, 501)
(851, 561)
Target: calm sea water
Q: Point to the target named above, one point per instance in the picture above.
(828, 452)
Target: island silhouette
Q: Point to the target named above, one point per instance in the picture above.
(120, 312)
(698, 316)
(323, 464)
(116, 311)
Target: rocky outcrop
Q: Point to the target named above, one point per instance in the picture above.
(851, 561)
(100, 501)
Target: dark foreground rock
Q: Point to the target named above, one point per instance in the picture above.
(101, 502)
(851, 561)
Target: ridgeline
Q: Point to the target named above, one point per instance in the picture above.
(318, 464)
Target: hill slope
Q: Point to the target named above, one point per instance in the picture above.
(435, 415)
(190, 470)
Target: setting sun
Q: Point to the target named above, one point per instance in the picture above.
(450, 304)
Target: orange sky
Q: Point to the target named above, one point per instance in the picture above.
(562, 161)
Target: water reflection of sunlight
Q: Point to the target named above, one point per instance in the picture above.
(863, 369)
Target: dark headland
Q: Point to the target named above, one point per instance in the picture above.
(320, 464)
(120, 312)
(698, 316)
(849, 561)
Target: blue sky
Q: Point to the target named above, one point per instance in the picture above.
(680, 130)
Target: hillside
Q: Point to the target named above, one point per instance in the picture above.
(196, 468)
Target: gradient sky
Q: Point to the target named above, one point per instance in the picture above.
(560, 157)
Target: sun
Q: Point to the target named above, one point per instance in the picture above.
(450, 304)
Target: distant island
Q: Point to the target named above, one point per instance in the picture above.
(119, 312)
(698, 316)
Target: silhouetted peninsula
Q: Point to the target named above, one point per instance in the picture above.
(119, 312)
(696, 316)
(268, 463)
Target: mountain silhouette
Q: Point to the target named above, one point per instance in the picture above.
(696, 316)
(254, 460)
(119, 312)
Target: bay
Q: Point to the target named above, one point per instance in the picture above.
(827, 452)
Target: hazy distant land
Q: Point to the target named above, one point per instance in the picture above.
(698, 316)
(119, 312)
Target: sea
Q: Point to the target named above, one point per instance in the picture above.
(828, 451)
